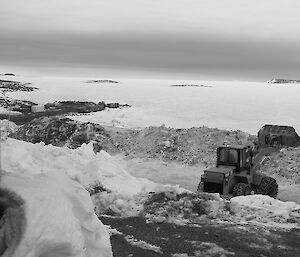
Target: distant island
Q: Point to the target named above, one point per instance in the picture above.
(102, 81)
(189, 85)
(283, 81)
(8, 74)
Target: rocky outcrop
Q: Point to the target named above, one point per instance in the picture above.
(61, 131)
(8, 74)
(12, 86)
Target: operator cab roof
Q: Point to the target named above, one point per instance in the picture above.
(234, 146)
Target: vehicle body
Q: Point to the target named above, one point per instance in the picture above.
(235, 174)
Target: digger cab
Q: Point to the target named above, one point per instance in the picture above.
(239, 157)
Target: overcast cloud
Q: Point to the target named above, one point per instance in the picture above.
(232, 38)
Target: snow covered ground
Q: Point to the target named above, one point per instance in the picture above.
(225, 105)
(158, 171)
(125, 193)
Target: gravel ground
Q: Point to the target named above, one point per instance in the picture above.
(134, 237)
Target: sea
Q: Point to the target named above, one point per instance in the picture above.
(231, 105)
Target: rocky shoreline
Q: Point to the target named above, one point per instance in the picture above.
(22, 111)
(12, 86)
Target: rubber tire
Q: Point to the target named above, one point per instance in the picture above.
(200, 187)
(268, 186)
(241, 189)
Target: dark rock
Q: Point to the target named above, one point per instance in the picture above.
(61, 131)
(112, 105)
(12, 86)
(191, 85)
(102, 81)
(283, 81)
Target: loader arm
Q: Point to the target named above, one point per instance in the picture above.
(259, 157)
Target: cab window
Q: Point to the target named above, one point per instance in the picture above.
(233, 156)
(223, 155)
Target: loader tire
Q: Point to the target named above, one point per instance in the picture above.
(200, 187)
(268, 186)
(241, 189)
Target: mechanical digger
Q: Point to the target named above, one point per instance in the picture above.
(236, 174)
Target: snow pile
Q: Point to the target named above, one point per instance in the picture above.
(81, 164)
(128, 204)
(116, 192)
(116, 204)
(121, 194)
(7, 127)
(181, 208)
(115, 178)
(55, 219)
(267, 210)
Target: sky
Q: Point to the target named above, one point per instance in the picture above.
(228, 39)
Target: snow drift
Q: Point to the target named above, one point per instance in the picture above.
(262, 209)
(53, 217)
(52, 214)
(80, 164)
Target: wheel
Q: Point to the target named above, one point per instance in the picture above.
(268, 186)
(200, 187)
(241, 189)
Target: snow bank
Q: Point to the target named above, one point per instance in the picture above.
(58, 219)
(59, 212)
(125, 195)
(202, 208)
(123, 192)
(81, 164)
(267, 203)
(264, 209)
(7, 127)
